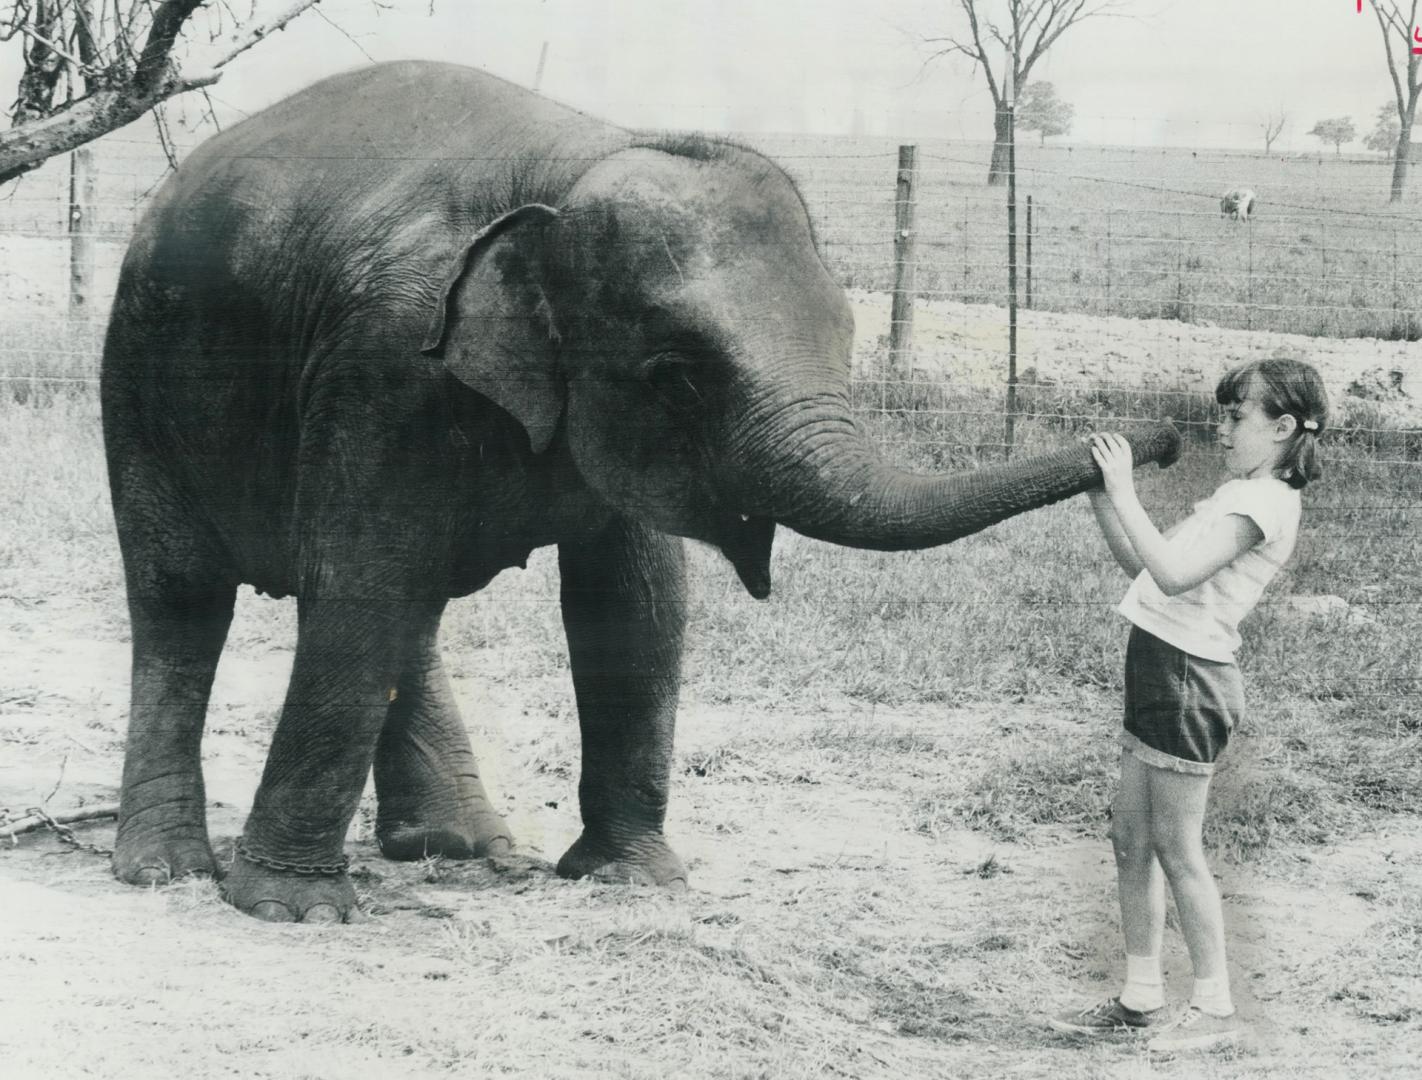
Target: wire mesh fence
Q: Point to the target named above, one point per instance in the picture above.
(1130, 239)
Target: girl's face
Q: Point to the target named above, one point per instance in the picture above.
(1252, 440)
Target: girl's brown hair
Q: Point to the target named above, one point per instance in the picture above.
(1283, 386)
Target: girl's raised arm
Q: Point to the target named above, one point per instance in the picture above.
(1116, 538)
(1175, 570)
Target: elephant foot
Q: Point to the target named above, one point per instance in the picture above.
(150, 860)
(468, 836)
(646, 861)
(283, 896)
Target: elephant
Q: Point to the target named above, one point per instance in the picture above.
(377, 343)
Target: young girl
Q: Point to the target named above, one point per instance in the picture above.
(1191, 587)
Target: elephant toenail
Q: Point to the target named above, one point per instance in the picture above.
(499, 845)
(321, 913)
(272, 911)
(151, 875)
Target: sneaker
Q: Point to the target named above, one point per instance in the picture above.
(1197, 1030)
(1106, 1018)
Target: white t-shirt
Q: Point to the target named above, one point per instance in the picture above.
(1204, 621)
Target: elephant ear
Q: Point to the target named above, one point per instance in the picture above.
(494, 328)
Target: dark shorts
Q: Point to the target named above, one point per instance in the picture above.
(1180, 708)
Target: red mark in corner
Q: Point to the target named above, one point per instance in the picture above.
(1417, 36)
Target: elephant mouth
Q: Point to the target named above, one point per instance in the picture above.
(746, 539)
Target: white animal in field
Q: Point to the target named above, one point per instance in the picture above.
(1238, 203)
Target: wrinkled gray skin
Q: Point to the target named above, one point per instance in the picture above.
(378, 343)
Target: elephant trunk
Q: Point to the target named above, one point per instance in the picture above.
(828, 482)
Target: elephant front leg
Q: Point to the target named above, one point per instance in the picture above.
(290, 864)
(624, 611)
(431, 800)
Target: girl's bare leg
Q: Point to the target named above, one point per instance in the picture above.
(1139, 882)
(1140, 887)
(1177, 802)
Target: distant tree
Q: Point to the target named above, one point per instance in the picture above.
(89, 67)
(1383, 138)
(1016, 34)
(1404, 67)
(1336, 131)
(1272, 125)
(1040, 110)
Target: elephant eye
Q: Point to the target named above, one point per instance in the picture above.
(675, 377)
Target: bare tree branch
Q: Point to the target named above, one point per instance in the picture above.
(115, 93)
(84, 37)
(63, 54)
(168, 20)
(257, 34)
(342, 32)
(1272, 125)
(1033, 27)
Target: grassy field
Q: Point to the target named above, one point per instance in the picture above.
(1133, 231)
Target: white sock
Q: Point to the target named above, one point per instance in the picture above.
(1145, 988)
(1212, 996)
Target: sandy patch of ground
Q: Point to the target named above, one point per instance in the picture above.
(967, 344)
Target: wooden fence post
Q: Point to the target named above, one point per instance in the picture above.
(82, 222)
(901, 314)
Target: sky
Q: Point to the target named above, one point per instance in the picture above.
(1166, 72)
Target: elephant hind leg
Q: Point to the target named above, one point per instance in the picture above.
(430, 798)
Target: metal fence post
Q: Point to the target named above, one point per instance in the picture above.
(1029, 252)
(1396, 319)
(965, 249)
(901, 313)
(1009, 431)
(1179, 269)
(1323, 253)
(1108, 262)
(1249, 281)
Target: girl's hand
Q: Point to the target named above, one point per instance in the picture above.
(1112, 455)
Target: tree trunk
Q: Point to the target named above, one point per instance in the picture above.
(1400, 160)
(1002, 131)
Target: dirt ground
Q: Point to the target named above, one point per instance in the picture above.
(489, 968)
(824, 933)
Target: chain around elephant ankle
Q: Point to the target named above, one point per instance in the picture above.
(305, 869)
